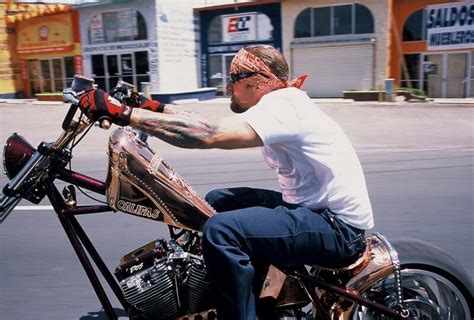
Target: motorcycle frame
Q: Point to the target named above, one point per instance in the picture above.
(83, 247)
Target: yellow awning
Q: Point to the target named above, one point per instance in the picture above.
(24, 11)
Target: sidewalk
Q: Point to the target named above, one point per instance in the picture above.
(29, 101)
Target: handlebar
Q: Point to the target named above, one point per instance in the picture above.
(41, 158)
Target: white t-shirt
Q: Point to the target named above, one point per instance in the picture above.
(316, 164)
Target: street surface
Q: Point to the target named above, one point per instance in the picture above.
(418, 160)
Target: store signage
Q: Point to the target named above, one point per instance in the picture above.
(124, 46)
(48, 34)
(239, 27)
(97, 29)
(450, 26)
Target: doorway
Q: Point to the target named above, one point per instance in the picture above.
(108, 69)
(447, 75)
(219, 65)
(50, 75)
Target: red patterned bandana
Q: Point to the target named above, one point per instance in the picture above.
(245, 61)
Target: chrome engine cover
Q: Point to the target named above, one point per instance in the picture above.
(141, 183)
(162, 281)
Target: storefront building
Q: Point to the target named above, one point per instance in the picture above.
(437, 46)
(226, 29)
(119, 43)
(341, 45)
(141, 41)
(47, 47)
(10, 84)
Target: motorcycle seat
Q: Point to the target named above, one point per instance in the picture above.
(347, 263)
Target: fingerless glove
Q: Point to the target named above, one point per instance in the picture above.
(138, 101)
(98, 104)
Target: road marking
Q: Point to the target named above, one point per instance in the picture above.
(33, 208)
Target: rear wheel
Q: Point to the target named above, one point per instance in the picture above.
(426, 295)
(434, 285)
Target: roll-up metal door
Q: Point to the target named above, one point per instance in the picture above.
(334, 69)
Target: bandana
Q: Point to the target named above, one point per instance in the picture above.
(245, 61)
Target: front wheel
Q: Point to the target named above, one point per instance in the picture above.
(433, 286)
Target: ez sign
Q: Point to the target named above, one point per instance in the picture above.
(238, 24)
(239, 27)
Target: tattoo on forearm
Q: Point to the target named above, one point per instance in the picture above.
(180, 131)
(170, 109)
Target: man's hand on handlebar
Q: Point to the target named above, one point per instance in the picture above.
(98, 105)
(138, 101)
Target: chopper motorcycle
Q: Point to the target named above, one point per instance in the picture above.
(167, 279)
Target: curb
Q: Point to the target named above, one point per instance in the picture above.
(48, 102)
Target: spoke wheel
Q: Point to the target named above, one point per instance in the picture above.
(426, 296)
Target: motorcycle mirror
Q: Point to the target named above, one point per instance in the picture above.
(124, 85)
(81, 83)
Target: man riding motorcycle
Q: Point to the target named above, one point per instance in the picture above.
(323, 209)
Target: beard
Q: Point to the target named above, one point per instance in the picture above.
(235, 107)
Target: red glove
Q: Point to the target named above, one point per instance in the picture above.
(138, 101)
(98, 104)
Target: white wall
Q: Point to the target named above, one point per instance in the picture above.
(177, 46)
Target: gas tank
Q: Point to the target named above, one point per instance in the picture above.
(141, 183)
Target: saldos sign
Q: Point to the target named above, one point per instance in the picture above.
(450, 26)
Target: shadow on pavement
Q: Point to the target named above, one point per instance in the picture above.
(101, 315)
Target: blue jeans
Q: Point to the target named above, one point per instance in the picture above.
(258, 228)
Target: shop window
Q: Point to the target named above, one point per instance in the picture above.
(108, 69)
(69, 69)
(412, 62)
(98, 70)
(142, 69)
(303, 24)
(343, 19)
(50, 75)
(214, 34)
(58, 77)
(334, 20)
(116, 26)
(413, 29)
(322, 21)
(45, 76)
(218, 72)
(251, 26)
(364, 23)
(34, 76)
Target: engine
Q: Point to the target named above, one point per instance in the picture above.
(163, 281)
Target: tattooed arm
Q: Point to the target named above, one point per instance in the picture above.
(171, 109)
(196, 131)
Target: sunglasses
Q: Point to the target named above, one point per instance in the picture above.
(234, 77)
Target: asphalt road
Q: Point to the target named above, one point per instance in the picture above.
(418, 160)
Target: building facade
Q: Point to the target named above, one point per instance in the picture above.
(436, 52)
(141, 41)
(340, 44)
(10, 85)
(119, 42)
(354, 45)
(44, 46)
(225, 29)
